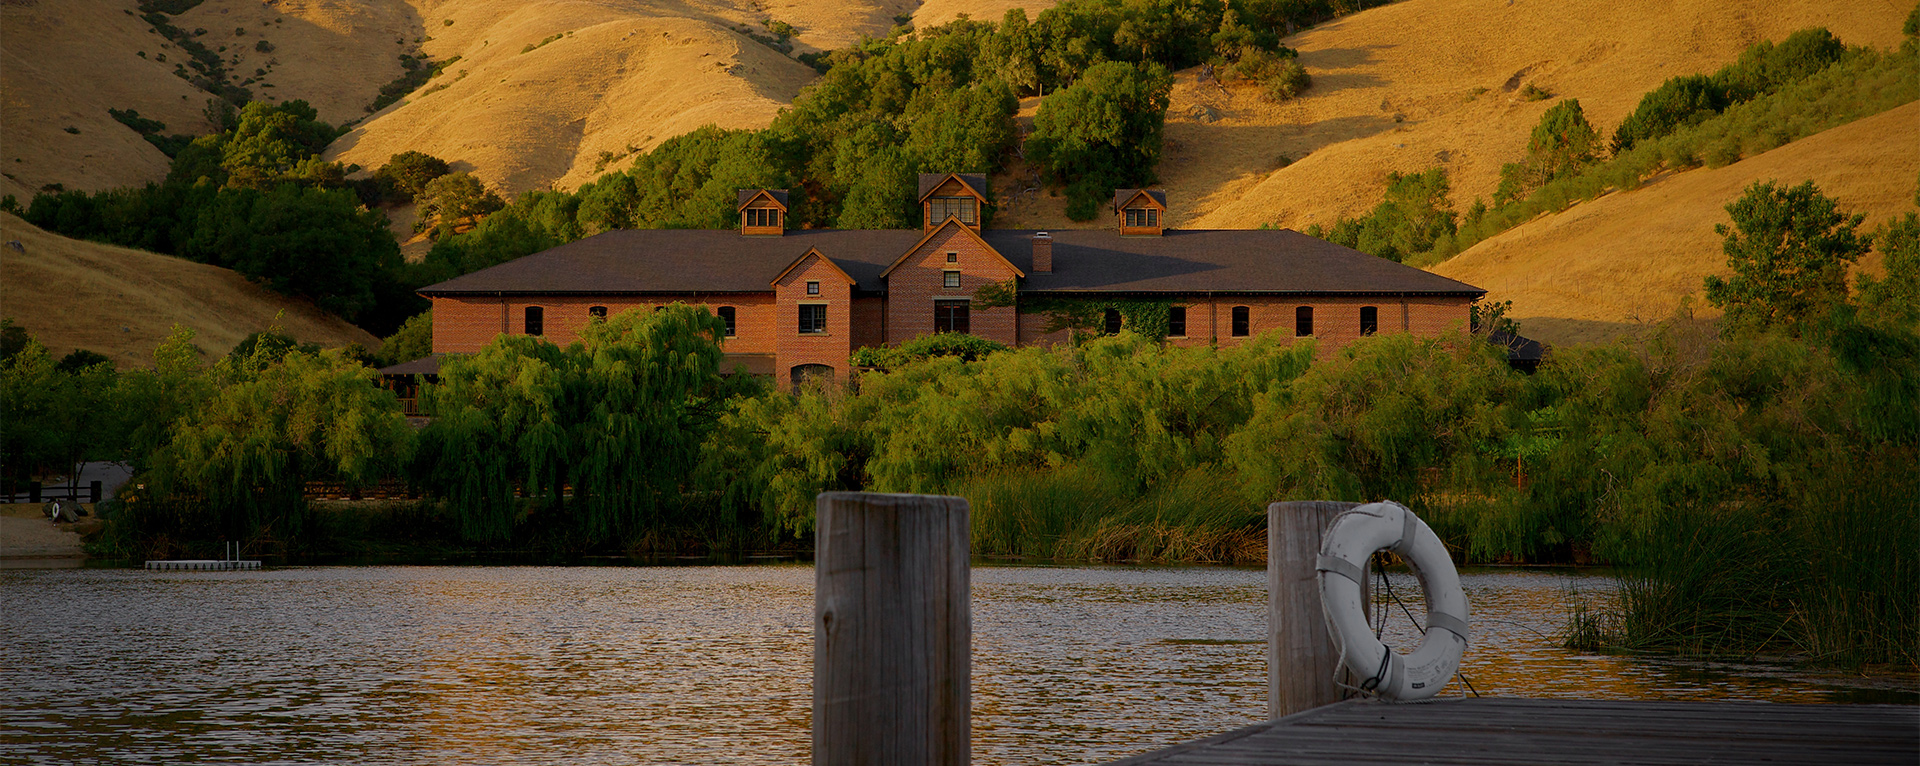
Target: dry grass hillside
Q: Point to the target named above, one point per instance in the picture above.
(1603, 269)
(334, 54)
(553, 93)
(122, 302)
(936, 12)
(63, 64)
(1435, 82)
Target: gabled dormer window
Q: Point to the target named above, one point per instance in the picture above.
(939, 209)
(763, 212)
(757, 217)
(1139, 217)
(1139, 211)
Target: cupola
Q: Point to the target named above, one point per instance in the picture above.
(952, 195)
(763, 212)
(1140, 212)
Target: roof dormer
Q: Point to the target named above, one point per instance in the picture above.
(763, 212)
(1140, 212)
(951, 195)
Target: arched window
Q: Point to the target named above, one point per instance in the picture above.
(597, 312)
(536, 322)
(726, 315)
(1303, 321)
(1113, 322)
(808, 373)
(1369, 320)
(1241, 322)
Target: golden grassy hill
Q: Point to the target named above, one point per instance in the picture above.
(1603, 269)
(932, 13)
(122, 302)
(334, 54)
(1393, 89)
(620, 78)
(63, 64)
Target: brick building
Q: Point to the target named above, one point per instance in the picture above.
(798, 302)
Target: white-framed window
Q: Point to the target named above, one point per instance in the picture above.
(813, 288)
(950, 279)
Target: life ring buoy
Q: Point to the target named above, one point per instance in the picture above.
(1350, 540)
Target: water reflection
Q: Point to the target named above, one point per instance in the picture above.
(682, 665)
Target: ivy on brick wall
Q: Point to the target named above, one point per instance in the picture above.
(1085, 317)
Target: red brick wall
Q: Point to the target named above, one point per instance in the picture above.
(1336, 321)
(868, 321)
(465, 325)
(831, 348)
(916, 282)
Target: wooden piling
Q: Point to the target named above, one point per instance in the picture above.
(1301, 657)
(892, 631)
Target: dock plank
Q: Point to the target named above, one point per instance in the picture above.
(1497, 731)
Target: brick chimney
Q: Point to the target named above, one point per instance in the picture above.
(1042, 253)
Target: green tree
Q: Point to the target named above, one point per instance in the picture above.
(316, 243)
(13, 339)
(248, 452)
(1102, 133)
(270, 141)
(1415, 215)
(1563, 143)
(412, 341)
(455, 198)
(1788, 249)
(619, 417)
(407, 174)
(1895, 296)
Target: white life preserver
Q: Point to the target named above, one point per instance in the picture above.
(1349, 542)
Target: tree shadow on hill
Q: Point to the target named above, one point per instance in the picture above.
(1236, 151)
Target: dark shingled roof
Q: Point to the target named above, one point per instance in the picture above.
(426, 365)
(1213, 260)
(682, 261)
(931, 181)
(746, 195)
(1121, 196)
(1273, 261)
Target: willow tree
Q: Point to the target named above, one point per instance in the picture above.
(618, 418)
(248, 451)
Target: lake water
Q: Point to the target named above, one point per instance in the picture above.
(620, 665)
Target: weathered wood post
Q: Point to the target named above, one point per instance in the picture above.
(1301, 657)
(892, 631)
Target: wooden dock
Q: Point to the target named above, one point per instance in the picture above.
(203, 565)
(1534, 731)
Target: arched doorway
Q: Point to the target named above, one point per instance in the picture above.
(807, 373)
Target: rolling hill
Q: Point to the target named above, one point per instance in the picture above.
(1421, 83)
(122, 302)
(1604, 269)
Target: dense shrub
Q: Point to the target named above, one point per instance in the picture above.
(1762, 69)
(605, 431)
(1414, 216)
(1563, 143)
(955, 344)
(407, 174)
(1789, 250)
